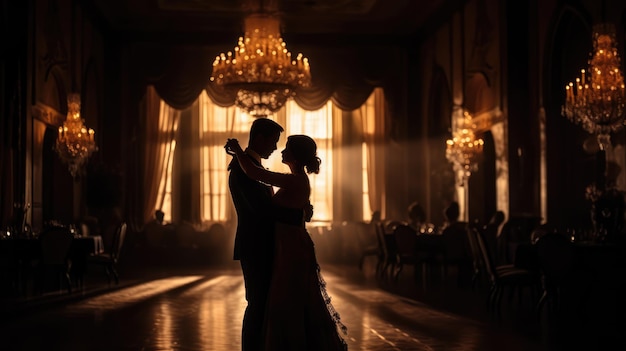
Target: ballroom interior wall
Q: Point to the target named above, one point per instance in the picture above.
(54, 49)
(572, 163)
(526, 51)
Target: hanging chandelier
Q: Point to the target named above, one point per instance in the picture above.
(261, 70)
(596, 101)
(75, 142)
(464, 148)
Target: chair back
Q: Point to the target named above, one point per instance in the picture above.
(55, 246)
(406, 240)
(118, 240)
(487, 260)
(477, 259)
(490, 233)
(380, 237)
(387, 243)
(392, 247)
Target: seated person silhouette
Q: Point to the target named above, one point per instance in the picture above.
(155, 230)
(455, 242)
(417, 217)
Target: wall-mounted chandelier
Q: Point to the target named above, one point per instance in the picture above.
(596, 101)
(261, 69)
(464, 148)
(75, 142)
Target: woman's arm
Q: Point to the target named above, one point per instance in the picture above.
(252, 170)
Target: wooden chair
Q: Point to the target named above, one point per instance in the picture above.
(109, 259)
(387, 259)
(456, 251)
(478, 266)
(503, 277)
(370, 243)
(406, 248)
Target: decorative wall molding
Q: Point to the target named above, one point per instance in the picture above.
(47, 115)
(486, 120)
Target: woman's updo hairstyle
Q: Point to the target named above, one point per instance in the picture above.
(304, 150)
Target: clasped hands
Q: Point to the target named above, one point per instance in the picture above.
(232, 146)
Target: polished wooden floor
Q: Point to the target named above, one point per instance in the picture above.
(202, 308)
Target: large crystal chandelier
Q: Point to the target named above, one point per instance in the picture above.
(464, 148)
(261, 69)
(75, 142)
(596, 101)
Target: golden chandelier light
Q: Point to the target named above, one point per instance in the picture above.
(261, 69)
(464, 148)
(596, 101)
(75, 142)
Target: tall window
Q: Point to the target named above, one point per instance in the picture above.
(367, 210)
(216, 124)
(219, 123)
(317, 125)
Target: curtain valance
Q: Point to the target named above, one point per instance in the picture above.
(347, 75)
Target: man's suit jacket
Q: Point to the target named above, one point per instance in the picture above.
(255, 225)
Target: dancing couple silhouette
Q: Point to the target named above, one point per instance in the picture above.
(288, 306)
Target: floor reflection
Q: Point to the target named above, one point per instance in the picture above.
(377, 320)
(131, 295)
(204, 312)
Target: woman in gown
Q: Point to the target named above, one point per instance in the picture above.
(299, 315)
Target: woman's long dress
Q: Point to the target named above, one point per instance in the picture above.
(299, 315)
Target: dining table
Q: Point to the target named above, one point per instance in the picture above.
(590, 254)
(599, 266)
(19, 255)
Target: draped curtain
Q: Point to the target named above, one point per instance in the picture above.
(161, 123)
(373, 129)
(200, 191)
(347, 75)
(216, 125)
(347, 176)
(351, 129)
(340, 171)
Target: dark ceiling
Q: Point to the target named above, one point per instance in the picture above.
(300, 18)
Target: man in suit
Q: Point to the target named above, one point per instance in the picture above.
(254, 242)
